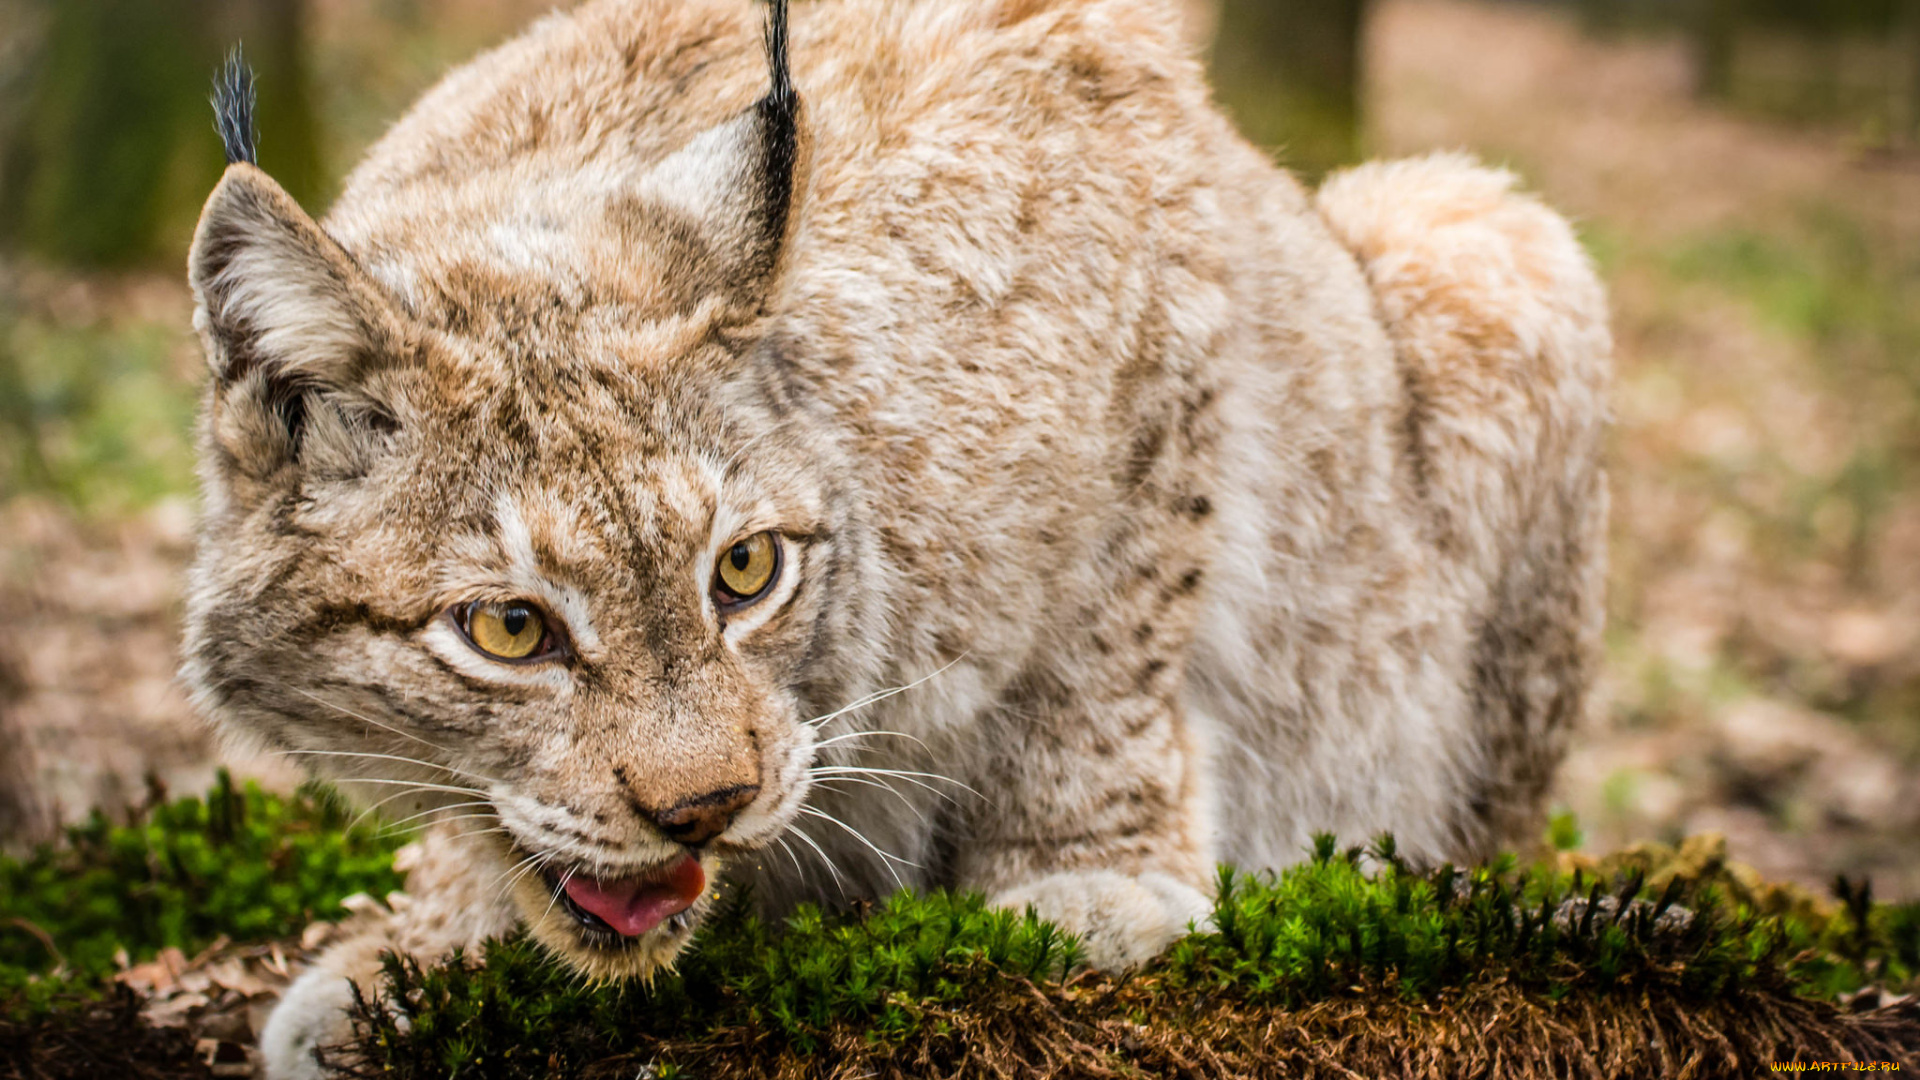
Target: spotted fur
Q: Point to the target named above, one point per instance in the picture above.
(1194, 512)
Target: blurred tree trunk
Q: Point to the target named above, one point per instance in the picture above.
(1603, 16)
(1716, 26)
(115, 147)
(1906, 106)
(275, 32)
(1289, 72)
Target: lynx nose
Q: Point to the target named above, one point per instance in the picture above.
(703, 817)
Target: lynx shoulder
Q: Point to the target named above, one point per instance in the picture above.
(925, 447)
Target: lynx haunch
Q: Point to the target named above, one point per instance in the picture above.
(948, 456)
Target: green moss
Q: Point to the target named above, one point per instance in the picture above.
(1563, 830)
(521, 1014)
(916, 970)
(1341, 922)
(240, 863)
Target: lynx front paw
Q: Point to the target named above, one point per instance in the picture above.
(312, 1013)
(1122, 920)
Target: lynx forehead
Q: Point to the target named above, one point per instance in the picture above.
(930, 450)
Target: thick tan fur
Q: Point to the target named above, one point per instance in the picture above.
(1197, 513)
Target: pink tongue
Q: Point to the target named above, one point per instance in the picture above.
(634, 906)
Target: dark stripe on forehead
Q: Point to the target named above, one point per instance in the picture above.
(508, 425)
(611, 497)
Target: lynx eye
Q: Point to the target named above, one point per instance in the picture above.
(514, 630)
(747, 569)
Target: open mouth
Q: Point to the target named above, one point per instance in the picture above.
(613, 911)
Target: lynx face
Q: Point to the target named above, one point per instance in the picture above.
(496, 546)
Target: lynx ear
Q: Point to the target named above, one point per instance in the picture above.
(737, 181)
(291, 327)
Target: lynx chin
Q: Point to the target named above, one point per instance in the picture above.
(925, 446)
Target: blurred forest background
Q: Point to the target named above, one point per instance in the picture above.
(1746, 173)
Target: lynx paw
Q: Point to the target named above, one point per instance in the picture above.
(312, 1013)
(1122, 920)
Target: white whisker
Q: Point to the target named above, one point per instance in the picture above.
(788, 848)
(568, 876)
(522, 868)
(875, 783)
(370, 720)
(439, 810)
(818, 850)
(481, 832)
(509, 870)
(369, 811)
(400, 826)
(887, 859)
(411, 784)
(501, 829)
(864, 734)
(391, 757)
(882, 695)
(919, 778)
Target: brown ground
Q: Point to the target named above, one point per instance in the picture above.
(181, 1016)
(1765, 623)
(1107, 1029)
(1766, 581)
(88, 703)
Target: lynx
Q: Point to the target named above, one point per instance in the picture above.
(927, 448)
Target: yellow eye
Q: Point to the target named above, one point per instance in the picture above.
(747, 568)
(509, 631)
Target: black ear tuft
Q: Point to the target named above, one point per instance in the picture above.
(782, 89)
(779, 121)
(737, 183)
(234, 99)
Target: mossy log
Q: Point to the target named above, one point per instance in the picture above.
(1352, 963)
(1105, 1029)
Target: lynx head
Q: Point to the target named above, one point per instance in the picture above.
(513, 520)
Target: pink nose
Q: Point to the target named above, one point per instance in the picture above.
(703, 817)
